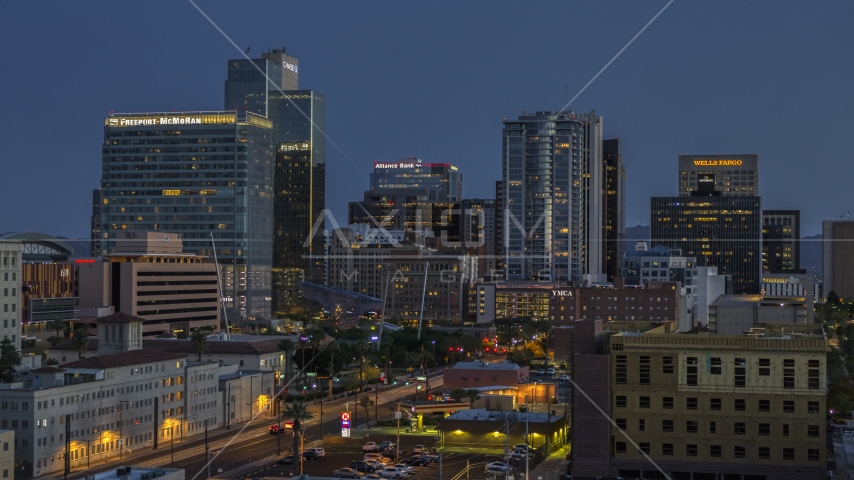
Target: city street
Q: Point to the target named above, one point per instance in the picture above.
(255, 442)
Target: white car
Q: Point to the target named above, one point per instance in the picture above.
(390, 472)
(404, 468)
(564, 377)
(550, 371)
(540, 371)
(320, 451)
(370, 447)
(496, 467)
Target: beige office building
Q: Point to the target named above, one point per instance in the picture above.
(149, 276)
(701, 406)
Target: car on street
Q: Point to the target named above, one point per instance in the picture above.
(346, 473)
(276, 429)
(550, 371)
(363, 467)
(289, 460)
(370, 447)
(418, 449)
(564, 377)
(320, 451)
(541, 371)
(289, 424)
(391, 473)
(521, 446)
(429, 458)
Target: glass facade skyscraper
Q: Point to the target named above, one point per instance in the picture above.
(722, 232)
(196, 173)
(551, 197)
(439, 181)
(247, 87)
(299, 119)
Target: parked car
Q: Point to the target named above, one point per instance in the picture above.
(496, 466)
(372, 476)
(377, 466)
(540, 371)
(418, 449)
(386, 445)
(363, 467)
(550, 371)
(369, 447)
(496, 470)
(404, 468)
(391, 473)
(320, 451)
(311, 455)
(415, 461)
(377, 457)
(564, 377)
(289, 460)
(429, 458)
(521, 446)
(346, 473)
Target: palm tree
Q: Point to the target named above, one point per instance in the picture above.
(287, 346)
(9, 359)
(472, 394)
(297, 411)
(58, 326)
(457, 394)
(199, 340)
(80, 341)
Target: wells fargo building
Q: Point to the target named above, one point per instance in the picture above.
(197, 174)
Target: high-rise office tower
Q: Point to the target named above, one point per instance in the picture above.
(729, 175)
(781, 244)
(838, 258)
(614, 217)
(552, 174)
(250, 82)
(197, 174)
(95, 226)
(440, 181)
(298, 124)
(299, 120)
(716, 218)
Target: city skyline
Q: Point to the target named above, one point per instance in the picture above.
(739, 111)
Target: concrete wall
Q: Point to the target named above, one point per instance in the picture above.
(590, 428)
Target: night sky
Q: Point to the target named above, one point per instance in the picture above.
(435, 80)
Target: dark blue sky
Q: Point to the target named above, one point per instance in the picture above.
(435, 80)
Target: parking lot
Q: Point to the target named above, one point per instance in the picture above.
(452, 464)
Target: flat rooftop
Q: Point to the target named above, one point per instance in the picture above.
(478, 364)
(482, 414)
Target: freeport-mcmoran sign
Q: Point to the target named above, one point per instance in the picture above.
(174, 119)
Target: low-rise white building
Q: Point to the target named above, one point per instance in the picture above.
(118, 398)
